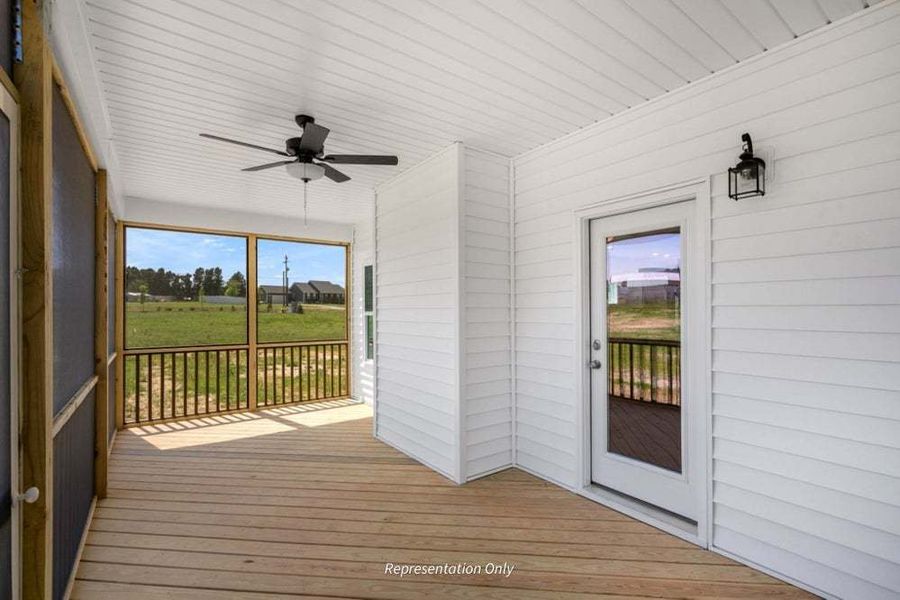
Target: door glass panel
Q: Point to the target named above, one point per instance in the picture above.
(644, 346)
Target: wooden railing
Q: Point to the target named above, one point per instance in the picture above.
(646, 370)
(169, 384)
(175, 383)
(301, 372)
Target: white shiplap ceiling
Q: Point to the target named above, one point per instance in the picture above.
(400, 77)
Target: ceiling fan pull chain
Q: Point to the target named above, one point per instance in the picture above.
(305, 185)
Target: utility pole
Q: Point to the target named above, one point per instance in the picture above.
(284, 280)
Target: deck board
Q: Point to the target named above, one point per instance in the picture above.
(303, 502)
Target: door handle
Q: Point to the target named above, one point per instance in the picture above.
(30, 496)
(596, 364)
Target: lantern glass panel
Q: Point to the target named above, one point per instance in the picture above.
(747, 179)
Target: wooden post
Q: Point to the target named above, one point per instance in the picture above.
(34, 79)
(120, 325)
(251, 322)
(101, 337)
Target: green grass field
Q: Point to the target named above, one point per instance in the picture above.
(656, 321)
(168, 324)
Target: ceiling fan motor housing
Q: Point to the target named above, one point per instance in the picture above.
(292, 146)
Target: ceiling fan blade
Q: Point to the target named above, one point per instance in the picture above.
(245, 144)
(268, 165)
(333, 174)
(360, 159)
(313, 138)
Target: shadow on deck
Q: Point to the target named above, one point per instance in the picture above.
(302, 502)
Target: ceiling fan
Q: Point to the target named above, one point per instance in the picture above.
(308, 160)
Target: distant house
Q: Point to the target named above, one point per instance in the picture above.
(273, 294)
(329, 293)
(304, 293)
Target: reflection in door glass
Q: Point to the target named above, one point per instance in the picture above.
(644, 346)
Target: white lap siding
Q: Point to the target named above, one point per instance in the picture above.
(486, 313)
(417, 291)
(805, 296)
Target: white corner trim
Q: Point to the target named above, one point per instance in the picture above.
(513, 395)
(461, 324)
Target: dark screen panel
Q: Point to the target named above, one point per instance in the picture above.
(74, 198)
(5, 349)
(111, 282)
(73, 258)
(73, 490)
(7, 36)
(111, 400)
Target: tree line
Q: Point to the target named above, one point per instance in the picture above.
(203, 282)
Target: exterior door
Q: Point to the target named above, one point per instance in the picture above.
(9, 472)
(642, 302)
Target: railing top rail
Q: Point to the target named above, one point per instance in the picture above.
(179, 349)
(296, 344)
(643, 342)
(222, 347)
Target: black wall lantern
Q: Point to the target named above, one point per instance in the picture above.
(747, 178)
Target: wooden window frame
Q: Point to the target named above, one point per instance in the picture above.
(252, 344)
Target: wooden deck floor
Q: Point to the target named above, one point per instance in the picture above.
(303, 502)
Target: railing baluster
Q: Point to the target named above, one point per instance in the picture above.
(641, 372)
(206, 381)
(671, 375)
(266, 376)
(196, 381)
(184, 385)
(320, 371)
(228, 379)
(218, 381)
(333, 372)
(621, 372)
(172, 381)
(149, 387)
(631, 370)
(308, 396)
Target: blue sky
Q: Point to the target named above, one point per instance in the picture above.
(628, 255)
(306, 261)
(182, 252)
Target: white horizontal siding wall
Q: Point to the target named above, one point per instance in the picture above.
(362, 254)
(806, 296)
(417, 319)
(486, 310)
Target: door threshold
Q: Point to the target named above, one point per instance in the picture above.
(654, 516)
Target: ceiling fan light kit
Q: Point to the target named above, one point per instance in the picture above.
(305, 172)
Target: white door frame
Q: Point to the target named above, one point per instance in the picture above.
(10, 108)
(699, 191)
